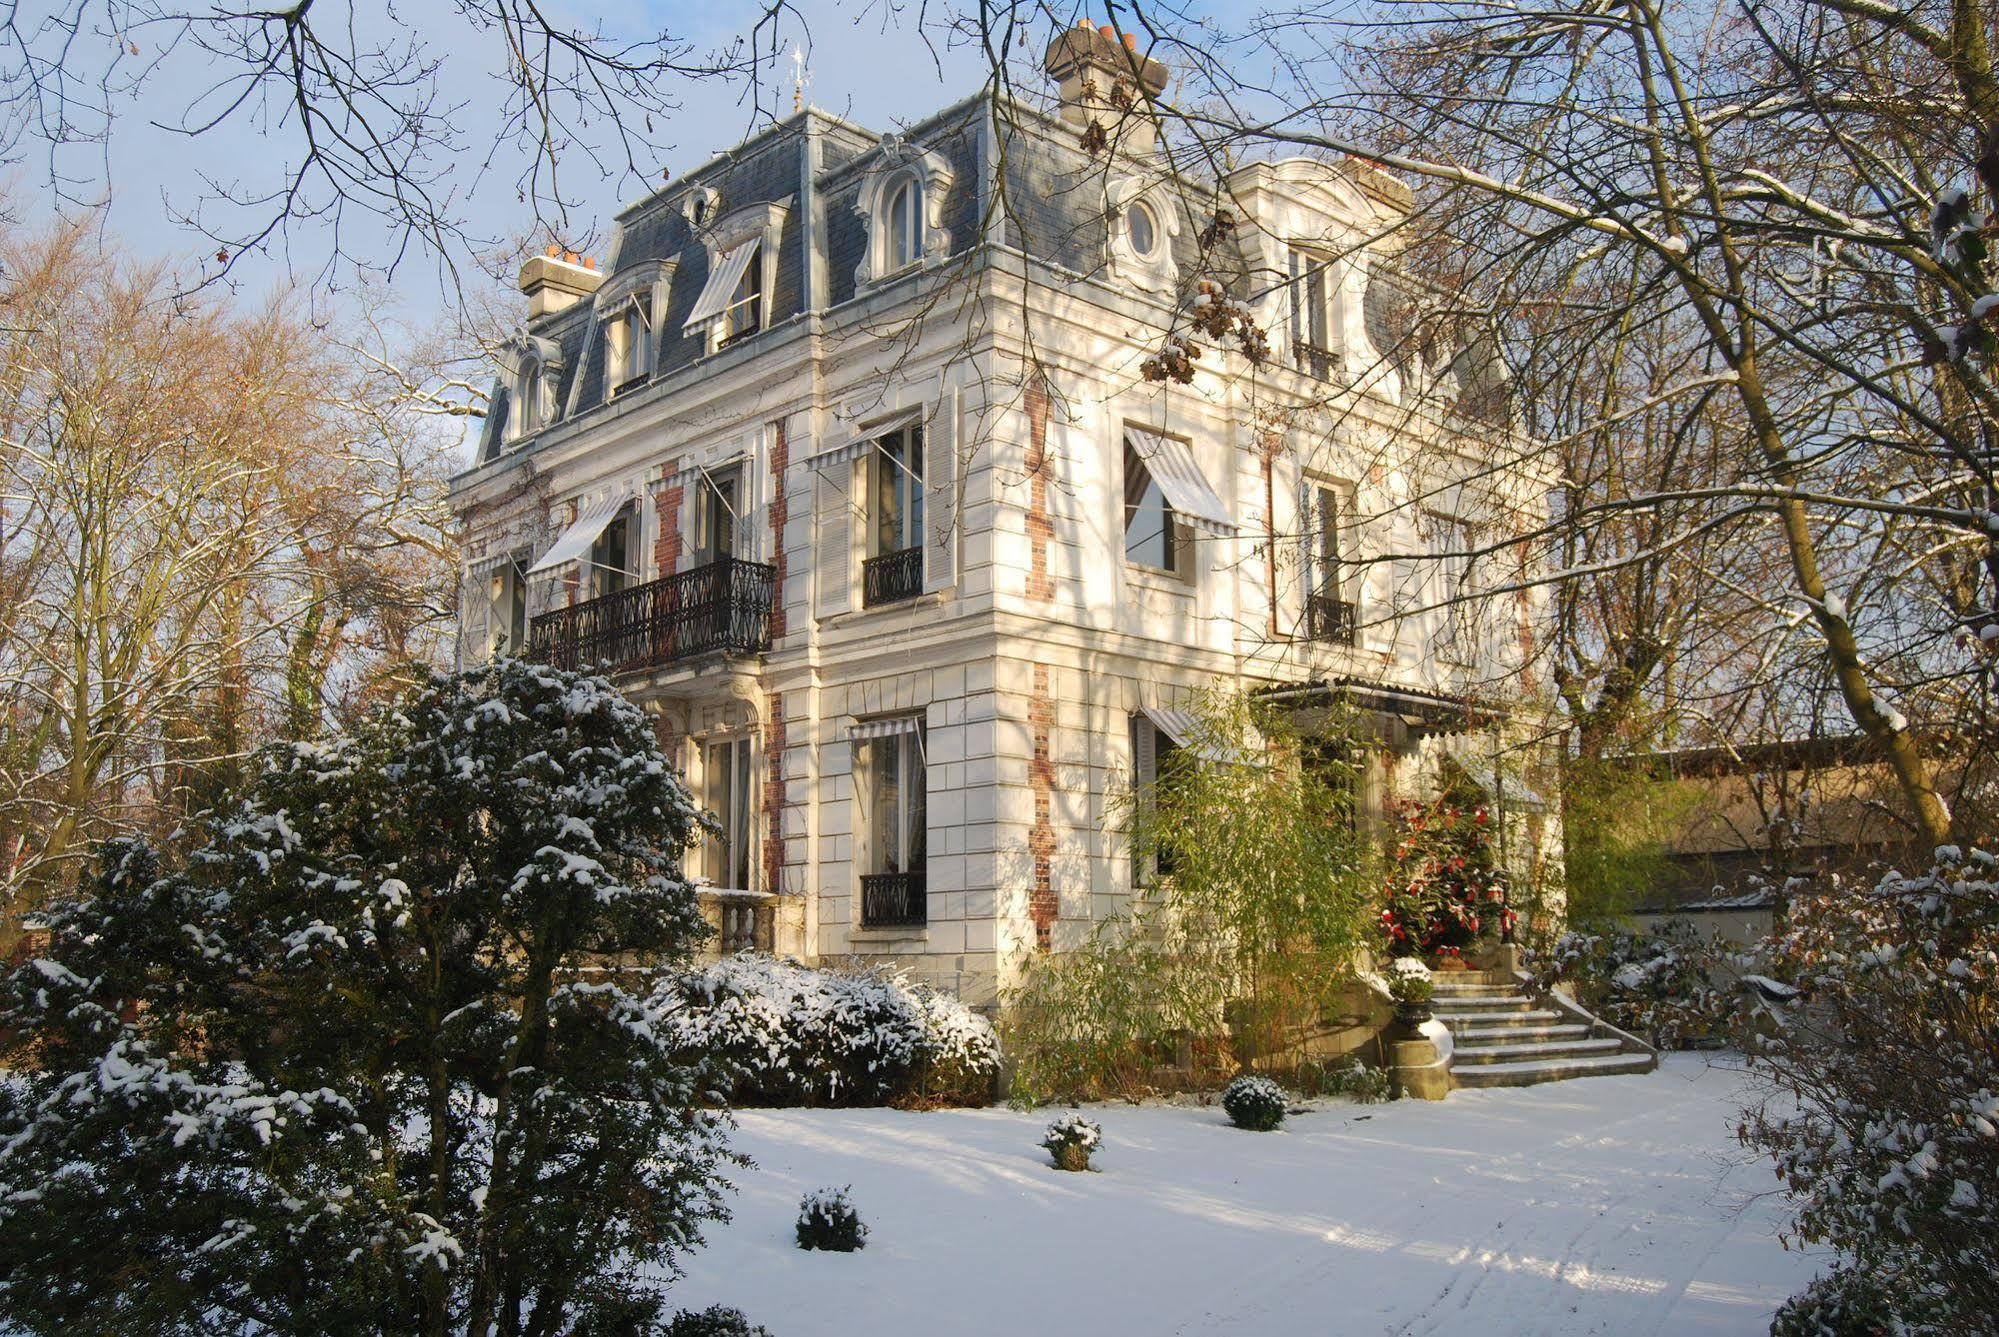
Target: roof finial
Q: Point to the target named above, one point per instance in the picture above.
(799, 78)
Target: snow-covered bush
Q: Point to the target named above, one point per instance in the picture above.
(1255, 1103)
(1885, 1119)
(826, 1220)
(1409, 981)
(343, 1068)
(789, 1034)
(1071, 1139)
(716, 1321)
(1358, 1082)
(1658, 985)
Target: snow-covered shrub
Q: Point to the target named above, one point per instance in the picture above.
(1658, 985)
(1410, 981)
(826, 1220)
(716, 1321)
(1071, 1139)
(345, 1068)
(1885, 1120)
(1358, 1082)
(1255, 1103)
(790, 1034)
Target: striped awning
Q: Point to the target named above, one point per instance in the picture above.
(863, 730)
(576, 540)
(845, 454)
(1179, 725)
(1171, 464)
(721, 285)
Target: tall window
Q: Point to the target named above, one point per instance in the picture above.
(611, 556)
(508, 623)
(902, 239)
(744, 314)
(525, 419)
(631, 345)
(892, 788)
(894, 568)
(1153, 753)
(716, 527)
(728, 776)
(1329, 615)
(1151, 534)
(1452, 541)
(1311, 307)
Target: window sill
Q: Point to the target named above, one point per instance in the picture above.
(1152, 578)
(928, 599)
(888, 933)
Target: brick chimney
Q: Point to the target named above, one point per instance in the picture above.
(558, 280)
(1104, 79)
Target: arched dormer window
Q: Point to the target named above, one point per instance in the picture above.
(1142, 224)
(902, 240)
(628, 308)
(533, 366)
(901, 203)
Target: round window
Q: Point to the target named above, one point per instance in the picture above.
(1141, 228)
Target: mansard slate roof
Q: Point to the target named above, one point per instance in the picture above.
(1051, 199)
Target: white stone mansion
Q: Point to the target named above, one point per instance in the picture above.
(845, 464)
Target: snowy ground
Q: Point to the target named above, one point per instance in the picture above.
(1608, 1205)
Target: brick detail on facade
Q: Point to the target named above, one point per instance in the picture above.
(1042, 905)
(780, 511)
(666, 548)
(1040, 528)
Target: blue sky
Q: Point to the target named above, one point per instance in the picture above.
(866, 62)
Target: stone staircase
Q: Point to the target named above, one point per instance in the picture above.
(1502, 1036)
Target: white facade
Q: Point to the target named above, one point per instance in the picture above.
(1027, 641)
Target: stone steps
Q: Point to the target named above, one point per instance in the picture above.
(1502, 1036)
(1535, 1050)
(1529, 1072)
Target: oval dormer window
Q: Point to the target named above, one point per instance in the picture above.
(1142, 229)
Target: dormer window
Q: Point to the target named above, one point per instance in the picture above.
(527, 400)
(901, 202)
(903, 227)
(1142, 227)
(629, 363)
(1310, 307)
(532, 368)
(734, 301)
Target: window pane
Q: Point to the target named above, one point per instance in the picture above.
(1138, 226)
(888, 496)
(1148, 520)
(915, 802)
(885, 763)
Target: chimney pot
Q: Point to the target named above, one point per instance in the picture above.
(1131, 41)
(1107, 31)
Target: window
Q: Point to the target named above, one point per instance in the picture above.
(893, 784)
(902, 226)
(1329, 614)
(743, 316)
(1151, 534)
(728, 773)
(1142, 229)
(1311, 307)
(1452, 541)
(1154, 755)
(507, 624)
(894, 569)
(525, 417)
(721, 503)
(630, 351)
(611, 556)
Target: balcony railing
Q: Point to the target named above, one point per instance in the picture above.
(1329, 618)
(892, 577)
(893, 900)
(1322, 364)
(724, 606)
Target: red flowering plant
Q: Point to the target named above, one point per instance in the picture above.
(1446, 892)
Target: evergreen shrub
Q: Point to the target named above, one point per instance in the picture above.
(1255, 1103)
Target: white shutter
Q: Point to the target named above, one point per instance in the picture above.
(940, 494)
(473, 633)
(832, 549)
(1144, 751)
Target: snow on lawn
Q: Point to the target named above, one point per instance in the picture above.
(1606, 1205)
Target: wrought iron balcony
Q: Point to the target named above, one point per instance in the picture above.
(893, 900)
(1329, 618)
(723, 606)
(1322, 364)
(892, 577)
